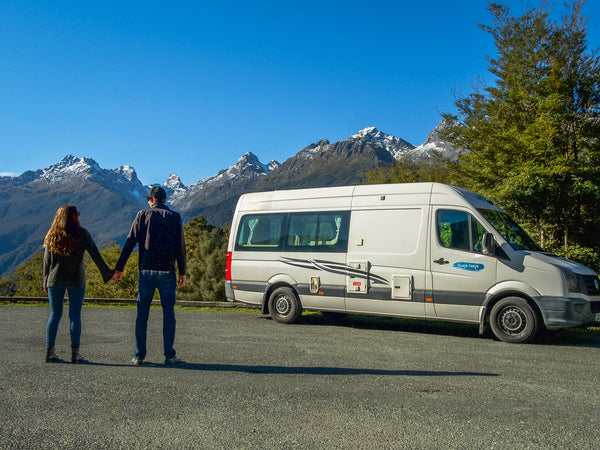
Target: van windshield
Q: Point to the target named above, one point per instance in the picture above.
(510, 230)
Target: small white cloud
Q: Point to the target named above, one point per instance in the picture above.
(8, 174)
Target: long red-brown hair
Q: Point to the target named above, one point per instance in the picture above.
(64, 235)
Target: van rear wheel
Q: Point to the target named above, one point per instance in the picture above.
(514, 320)
(284, 305)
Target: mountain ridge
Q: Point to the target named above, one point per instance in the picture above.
(109, 198)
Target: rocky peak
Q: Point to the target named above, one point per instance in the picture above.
(127, 172)
(249, 166)
(174, 182)
(313, 150)
(435, 144)
(369, 133)
(70, 167)
(397, 147)
(249, 161)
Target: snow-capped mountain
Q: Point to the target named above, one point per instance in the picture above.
(174, 183)
(400, 149)
(435, 144)
(174, 187)
(246, 170)
(397, 147)
(123, 179)
(110, 198)
(247, 167)
(214, 190)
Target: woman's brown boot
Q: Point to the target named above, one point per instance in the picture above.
(76, 357)
(51, 355)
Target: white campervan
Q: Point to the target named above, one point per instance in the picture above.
(421, 250)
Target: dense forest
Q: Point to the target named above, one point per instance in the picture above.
(206, 248)
(533, 136)
(533, 147)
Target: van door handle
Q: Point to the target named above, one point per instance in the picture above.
(441, 261)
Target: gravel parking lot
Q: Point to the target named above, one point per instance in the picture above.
(249, 382)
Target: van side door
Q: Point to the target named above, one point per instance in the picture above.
(461, 273)
(315, 256)
(387, 261)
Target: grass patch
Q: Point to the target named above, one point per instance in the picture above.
(177, 307)
(92, 304)
(24, 303)
(215, 308)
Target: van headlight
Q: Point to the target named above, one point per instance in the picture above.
(572, 281)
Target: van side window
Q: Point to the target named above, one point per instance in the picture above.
(459, 230)
(260, 232)
(294, 232)
(323, 231)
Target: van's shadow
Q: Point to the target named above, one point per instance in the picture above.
(570, 337)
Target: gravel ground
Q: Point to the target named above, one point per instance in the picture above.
(249, 382)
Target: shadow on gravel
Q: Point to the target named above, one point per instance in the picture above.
(285, 370)
(569, 337)
(92, 363)
(321, 370)
(367, 322)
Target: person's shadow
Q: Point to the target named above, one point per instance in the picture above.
(312, 370)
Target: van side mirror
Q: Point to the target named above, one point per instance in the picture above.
(488, 244)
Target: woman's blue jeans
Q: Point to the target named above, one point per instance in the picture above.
(56, 296)
(148, 282)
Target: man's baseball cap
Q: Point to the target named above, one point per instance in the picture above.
(158, 193)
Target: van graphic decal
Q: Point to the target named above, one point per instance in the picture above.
(472, 267)
(333, 267)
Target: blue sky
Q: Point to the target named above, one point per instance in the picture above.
(188, 87)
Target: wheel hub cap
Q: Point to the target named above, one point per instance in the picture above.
(513, 320)
(282, 305)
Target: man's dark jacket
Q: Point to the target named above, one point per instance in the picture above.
(159, 233)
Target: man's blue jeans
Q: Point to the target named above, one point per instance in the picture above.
(56, 297)
(166, 284)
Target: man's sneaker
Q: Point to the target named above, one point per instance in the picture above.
(76, 357)
(137, 361)
(173, 360)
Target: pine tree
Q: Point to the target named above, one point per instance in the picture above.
(27, 280)
(411, 171)
(206, 246)
(533, 135)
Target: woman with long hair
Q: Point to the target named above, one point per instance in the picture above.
(64, 271)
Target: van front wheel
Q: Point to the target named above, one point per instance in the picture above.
(514, 320)
(284, 305)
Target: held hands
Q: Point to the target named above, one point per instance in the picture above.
(117, 276)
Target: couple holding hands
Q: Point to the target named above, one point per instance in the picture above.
(157, 230)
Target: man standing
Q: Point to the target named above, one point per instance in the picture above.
(159, 233)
